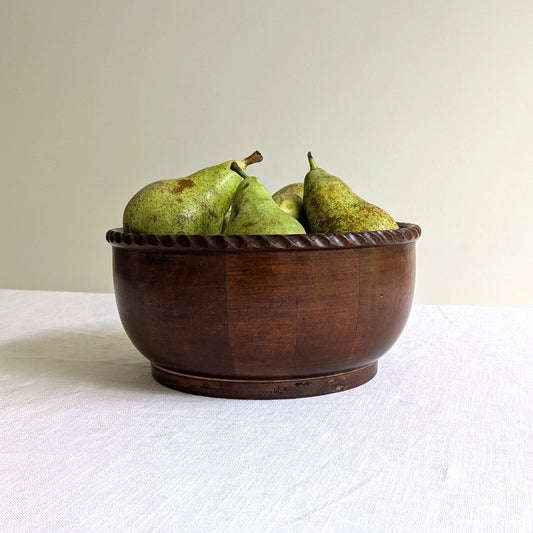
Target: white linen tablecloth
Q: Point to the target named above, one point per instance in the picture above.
(440, 440)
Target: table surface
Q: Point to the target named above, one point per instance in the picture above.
(440, 440)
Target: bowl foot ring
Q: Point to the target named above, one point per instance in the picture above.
(263, 389)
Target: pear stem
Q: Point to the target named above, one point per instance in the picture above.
(236, 168)
(312, 163)
(256, 157)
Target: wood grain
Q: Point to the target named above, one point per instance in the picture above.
(245, 323)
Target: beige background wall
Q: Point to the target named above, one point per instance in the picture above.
(425, 108)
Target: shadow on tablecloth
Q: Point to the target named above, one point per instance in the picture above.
(87, 358)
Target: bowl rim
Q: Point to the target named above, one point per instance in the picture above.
(181, 243)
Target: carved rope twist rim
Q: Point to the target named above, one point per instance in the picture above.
(310, 241)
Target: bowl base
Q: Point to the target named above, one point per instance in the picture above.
(263, 389)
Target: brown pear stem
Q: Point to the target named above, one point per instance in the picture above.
(256, 157)
(236, 168)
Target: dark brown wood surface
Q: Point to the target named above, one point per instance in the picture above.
(253, 325)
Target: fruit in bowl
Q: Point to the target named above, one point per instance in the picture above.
(248, 302)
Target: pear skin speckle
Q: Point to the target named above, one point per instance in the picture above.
(193, 205)
(290, 203)
(296, 188)
(254, 212)
(332, 206)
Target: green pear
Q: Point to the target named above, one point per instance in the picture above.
(225, 222)
(194, 205)
(332, 207)
(291, 203)
(290, 199)
(296, 188)
(254, 212)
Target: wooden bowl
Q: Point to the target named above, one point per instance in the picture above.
(278, 316)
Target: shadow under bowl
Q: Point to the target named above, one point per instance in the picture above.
(264, 316)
